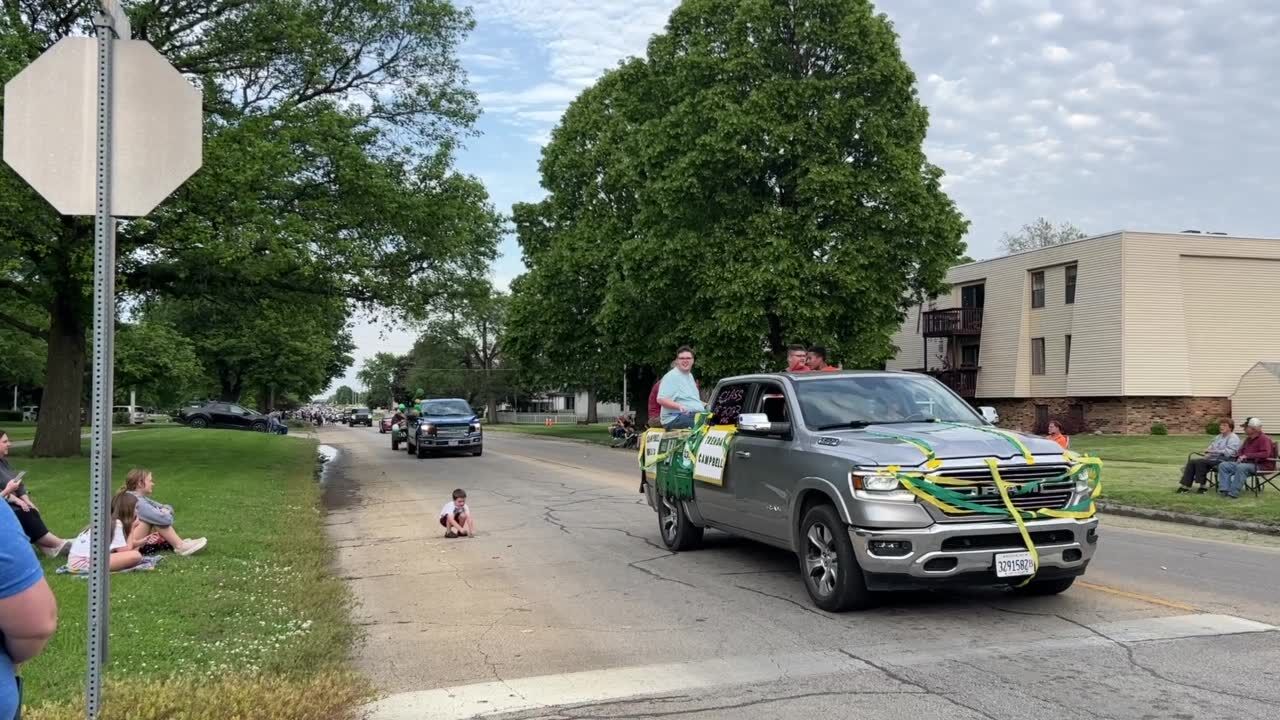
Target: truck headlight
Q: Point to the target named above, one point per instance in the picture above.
(875, 481)
(475, 426)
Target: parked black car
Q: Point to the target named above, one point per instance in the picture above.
(360, 416)
(223, 415)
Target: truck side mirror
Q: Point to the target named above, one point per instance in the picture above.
(758, 424)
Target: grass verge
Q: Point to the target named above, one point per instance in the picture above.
(597, 433)
(254, 626)
(1144, 471)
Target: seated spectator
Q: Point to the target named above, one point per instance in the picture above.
(28, 611)
(817, 360)
(619, 428)
(24, 508)
(678, 393)
(1257, 453)
(797, 359)
(154, 530)
(123, 514)
(1225, 447)
(1055, 434)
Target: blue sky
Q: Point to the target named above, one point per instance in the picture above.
(1139, 114)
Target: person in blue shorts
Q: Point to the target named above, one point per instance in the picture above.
(28, 611)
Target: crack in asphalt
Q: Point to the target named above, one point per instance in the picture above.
(1129, 649)
(728, 706)
(901, 678)
(802, 606)
(660, 576)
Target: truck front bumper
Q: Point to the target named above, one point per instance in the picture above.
(948, 554)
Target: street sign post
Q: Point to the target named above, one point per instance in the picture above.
(103, 127)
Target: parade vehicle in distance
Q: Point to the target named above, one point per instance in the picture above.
(445, 424)
(877, 481)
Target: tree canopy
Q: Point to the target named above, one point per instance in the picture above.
(1040, 233)
(756, 179)
(330, 127)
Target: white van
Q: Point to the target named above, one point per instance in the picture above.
(135, 414)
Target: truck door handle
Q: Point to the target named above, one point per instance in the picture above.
(742, 454)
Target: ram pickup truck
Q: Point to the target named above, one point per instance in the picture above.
(821, 464)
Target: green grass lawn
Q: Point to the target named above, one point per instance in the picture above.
(19, 430)
(1144, 470)
(597, 433)
(253, 626)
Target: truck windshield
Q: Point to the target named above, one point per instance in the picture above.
(858, 401)
(446, 407)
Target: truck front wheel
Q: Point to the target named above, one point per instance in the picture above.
(831, 572)
(678, 532)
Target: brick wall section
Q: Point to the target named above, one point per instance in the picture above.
(1131, 415)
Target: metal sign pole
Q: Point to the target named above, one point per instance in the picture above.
(104, 293)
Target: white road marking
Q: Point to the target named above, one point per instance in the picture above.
(549, 691)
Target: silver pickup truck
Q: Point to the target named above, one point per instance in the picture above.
(814, 467)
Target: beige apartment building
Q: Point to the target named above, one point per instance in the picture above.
(1110, 333)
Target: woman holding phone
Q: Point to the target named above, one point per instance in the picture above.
(14, 492)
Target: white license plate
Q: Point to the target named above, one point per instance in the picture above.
(453, 442)
(1016, 564)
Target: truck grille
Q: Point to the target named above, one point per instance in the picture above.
(1051, 496)
(451, 430)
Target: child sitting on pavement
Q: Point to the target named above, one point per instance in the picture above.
(456, 517)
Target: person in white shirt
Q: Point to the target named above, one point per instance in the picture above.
(124, 508)
(456, 517)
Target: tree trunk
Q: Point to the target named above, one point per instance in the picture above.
(639, 383)
(58, 428)
(592, 415)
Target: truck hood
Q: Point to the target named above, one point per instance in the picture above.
(449, 419)
(869, 446)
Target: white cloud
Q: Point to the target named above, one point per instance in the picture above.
(1048, 20)
(1142, 119)
(1082, 121)
(1056, 54)
(541, 94)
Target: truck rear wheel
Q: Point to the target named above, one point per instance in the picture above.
(830, 567)
(677, 530)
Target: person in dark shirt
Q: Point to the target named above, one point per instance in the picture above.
(1257, 453)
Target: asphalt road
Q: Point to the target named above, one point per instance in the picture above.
(567, 606)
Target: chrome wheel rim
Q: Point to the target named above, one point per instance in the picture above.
(821, 565)
(670, 520)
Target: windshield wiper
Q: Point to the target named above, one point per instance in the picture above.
(906, 422)
(851, 425)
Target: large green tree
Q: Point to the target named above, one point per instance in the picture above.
(158, 362)
(378, 374)
(329, 132)
(758, 178)
(461, 350)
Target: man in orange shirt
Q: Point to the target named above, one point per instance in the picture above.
(797, 359)
(817, 360)
(1055, 434)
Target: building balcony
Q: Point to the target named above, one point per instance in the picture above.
(952, 322)
(962, 380)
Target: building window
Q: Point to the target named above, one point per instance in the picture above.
(1042, 419)
(973, 296)
(1037, 289)
(570, 401)
(1037, 356)
(1078, 421)
(1071, 284)
(1068, 354)
(969, 357)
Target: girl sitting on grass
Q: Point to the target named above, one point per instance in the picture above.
(123, 514)
(154, 530)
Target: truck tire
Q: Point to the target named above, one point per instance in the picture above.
(421, 452)
(198, 423)
(1038, 588)
(676, 529)
(830, 568)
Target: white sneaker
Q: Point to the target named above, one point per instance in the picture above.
(191, 547)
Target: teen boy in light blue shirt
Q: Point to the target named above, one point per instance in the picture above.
(678, 393)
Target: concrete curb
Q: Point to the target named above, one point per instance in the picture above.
(1188, 518)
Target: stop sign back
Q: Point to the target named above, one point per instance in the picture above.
(50, 127)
